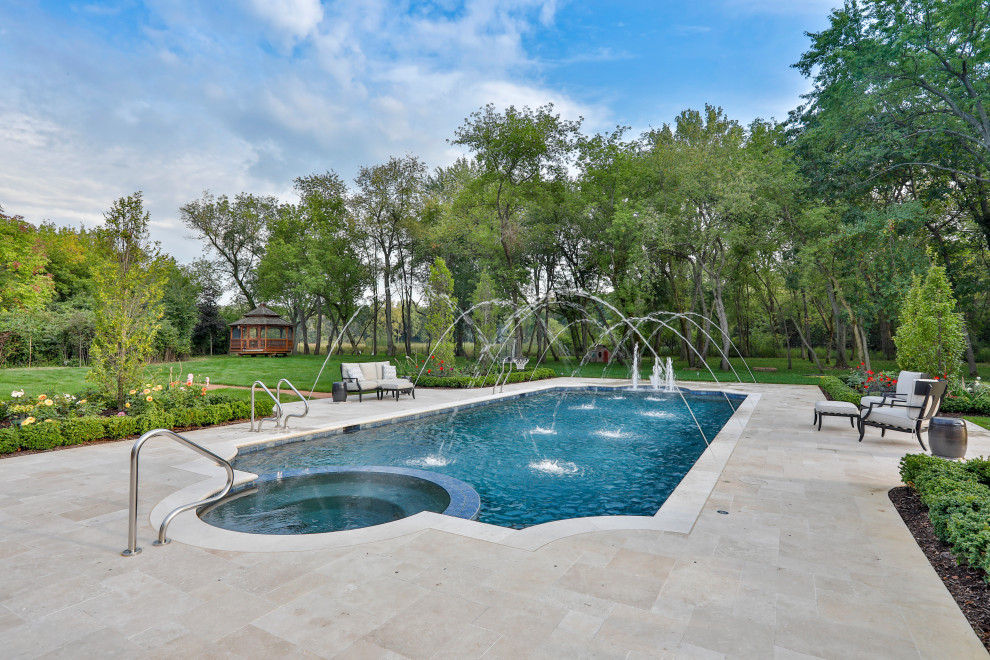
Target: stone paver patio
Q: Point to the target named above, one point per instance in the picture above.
(811, 561)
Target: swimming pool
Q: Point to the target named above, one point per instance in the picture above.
(550, 456)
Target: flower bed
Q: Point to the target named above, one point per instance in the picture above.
(47, 422)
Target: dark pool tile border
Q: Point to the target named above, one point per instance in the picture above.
(352, 428)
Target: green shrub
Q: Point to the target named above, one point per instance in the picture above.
(9, 442)
(242, 409)
(958, 499)
(83, 429)
(41, 435)
(262, 408)
(839, 391)
(120, 427)
(486, 381)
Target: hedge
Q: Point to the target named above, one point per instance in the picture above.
(953, 404)
(839, 391)
(77, 430)
(487, 381)
(958, 499)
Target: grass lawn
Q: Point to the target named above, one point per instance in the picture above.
(979, 421)
(301, 370)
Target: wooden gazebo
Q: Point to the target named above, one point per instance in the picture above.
(261, 332)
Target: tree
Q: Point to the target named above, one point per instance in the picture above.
(440, 306)
(519, 151)
(24, 284)
(907, 82)
(930, 337)
(129, 279)
(235, 232)
(390, 198)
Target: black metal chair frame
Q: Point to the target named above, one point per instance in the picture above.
(819, 415)
(864, 420)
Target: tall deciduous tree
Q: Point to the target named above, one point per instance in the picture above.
(129, 277)
(390, 198)
(235, 232)
(440, 306)
(519, 151)
(24, 284)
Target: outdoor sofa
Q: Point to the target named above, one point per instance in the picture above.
(370, 377)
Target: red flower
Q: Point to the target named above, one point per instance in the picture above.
(894, 381)
(869, 379)
(429, 371)
(870, 372)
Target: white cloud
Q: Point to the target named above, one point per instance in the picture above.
(291, 19)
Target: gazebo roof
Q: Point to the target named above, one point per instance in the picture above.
(262, 315)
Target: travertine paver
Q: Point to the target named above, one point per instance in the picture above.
(811, 561)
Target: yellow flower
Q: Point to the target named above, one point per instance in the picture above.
(146, 391)
(147, 384)
(29, 420)
(49, 402)
(133, 392)
(127, 405)
(81, 401)
(157, 388)
(49, 420)
(149, 399)
(42, 397)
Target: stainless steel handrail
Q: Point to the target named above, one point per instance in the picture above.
(277, 409)
(278, 394)
(132, 548)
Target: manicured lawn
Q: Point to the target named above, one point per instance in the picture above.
(979, 421)
(301, 370)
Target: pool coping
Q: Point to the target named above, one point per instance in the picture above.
(678, 514)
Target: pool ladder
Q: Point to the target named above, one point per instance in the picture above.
(277, 409)
(132, 548)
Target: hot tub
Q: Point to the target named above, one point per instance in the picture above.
(331, 499)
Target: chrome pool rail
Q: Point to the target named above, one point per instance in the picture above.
(132, 548)
(278, 400)
(277, 409)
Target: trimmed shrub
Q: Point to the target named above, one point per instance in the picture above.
(9, 442)
(487, 381)
(77, 430)
(41, 435)
(120, 427)
(839, 391)
(958, 499)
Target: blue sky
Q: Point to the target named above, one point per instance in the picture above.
(173, 97)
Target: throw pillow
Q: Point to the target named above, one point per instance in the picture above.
(388, 372)
(353, 372)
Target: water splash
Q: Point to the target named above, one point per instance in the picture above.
(554, 467)
(542, 430)
(612, 433)
(432, 460)
(658, 414)
(584, 406)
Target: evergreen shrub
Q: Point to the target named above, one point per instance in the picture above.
(839, 391)
(958, 499)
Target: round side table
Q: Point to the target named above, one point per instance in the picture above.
(947, 437)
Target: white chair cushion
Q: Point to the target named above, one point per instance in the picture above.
(837, 407)
(899, 417)
(388, 372)
(369, 370)
(353, 371)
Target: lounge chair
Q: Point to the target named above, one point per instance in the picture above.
(905, 384)
(367, 377)
(909, 416)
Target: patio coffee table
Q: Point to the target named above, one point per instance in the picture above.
(395, 388)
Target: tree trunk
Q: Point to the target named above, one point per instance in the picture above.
(970, 358)
(841, 361)
(811, 351)
(319, 325)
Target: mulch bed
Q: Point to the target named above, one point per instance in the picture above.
(966, 584)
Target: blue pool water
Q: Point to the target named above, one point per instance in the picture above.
(535, 459)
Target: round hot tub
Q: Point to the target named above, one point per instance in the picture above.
(333, 499)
